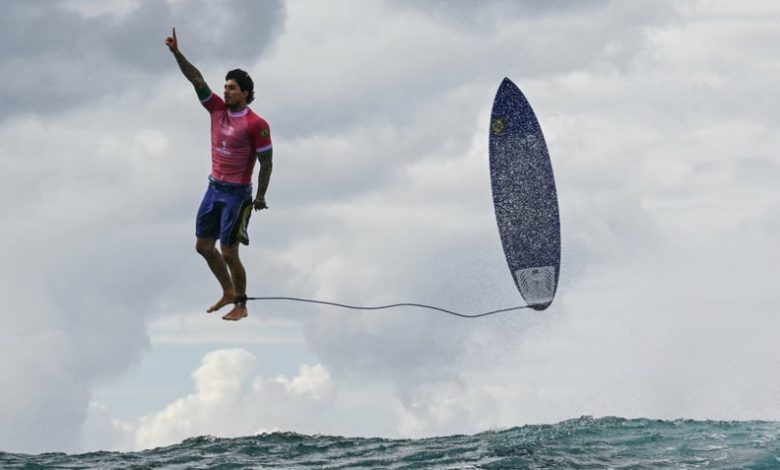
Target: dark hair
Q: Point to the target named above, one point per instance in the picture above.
(244, 81)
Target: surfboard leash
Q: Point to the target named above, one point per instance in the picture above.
(381, 307)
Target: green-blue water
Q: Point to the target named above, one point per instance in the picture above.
(584, 443)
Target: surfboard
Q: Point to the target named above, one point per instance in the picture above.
(524, 196)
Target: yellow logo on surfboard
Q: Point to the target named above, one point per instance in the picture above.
(498, 126)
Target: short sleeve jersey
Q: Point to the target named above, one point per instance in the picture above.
(236, 138)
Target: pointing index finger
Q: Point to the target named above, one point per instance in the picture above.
(174, 34)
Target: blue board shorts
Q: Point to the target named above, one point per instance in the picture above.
(224, 213)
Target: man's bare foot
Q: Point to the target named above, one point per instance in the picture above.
(238, 312)
(225, 300)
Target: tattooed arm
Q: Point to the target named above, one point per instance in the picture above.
(190, 72)
(263, 178)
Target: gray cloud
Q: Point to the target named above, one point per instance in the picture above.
(480, 17)
(59, 59)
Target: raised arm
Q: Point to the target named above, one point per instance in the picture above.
(190, 72)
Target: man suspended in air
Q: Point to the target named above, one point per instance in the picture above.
(238, 137)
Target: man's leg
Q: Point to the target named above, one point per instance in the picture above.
(238, 275)
(207, 248)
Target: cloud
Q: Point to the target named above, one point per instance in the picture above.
(231, 400)
(66, 53)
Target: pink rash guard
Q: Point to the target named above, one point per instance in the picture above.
(236, 139)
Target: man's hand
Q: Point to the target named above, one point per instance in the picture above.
(190, 72)
(172, 43)
(260, 204)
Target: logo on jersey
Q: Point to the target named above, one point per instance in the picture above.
(265, 133)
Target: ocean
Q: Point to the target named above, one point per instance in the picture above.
(583, 443)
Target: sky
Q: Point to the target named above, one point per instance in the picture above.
(662, 123)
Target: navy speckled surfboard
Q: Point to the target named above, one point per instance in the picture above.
(524, 197)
